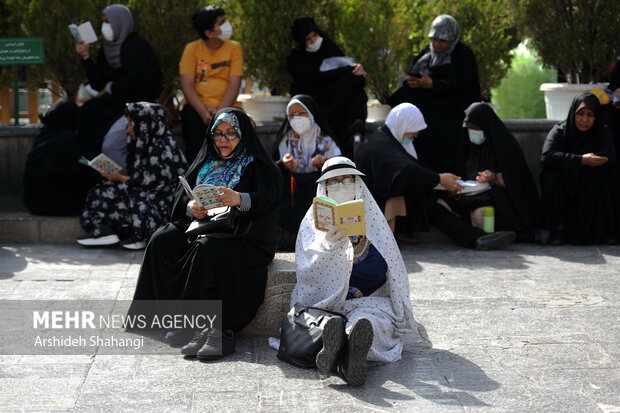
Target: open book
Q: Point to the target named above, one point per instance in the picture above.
(469, 187)
(84, 32)
(101, 163)
(205, 196)
(348, 215)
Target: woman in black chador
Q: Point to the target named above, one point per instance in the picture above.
(228, 268)
(55, 183)
(491, 154)
(126, 70)
(339, 92)
(442, 82)
(303, 144)
(580, 204)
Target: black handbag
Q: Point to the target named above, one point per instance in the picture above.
(226, 222)
(301, 335)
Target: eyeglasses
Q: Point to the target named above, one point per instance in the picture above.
(345, 181)
(230, 136)
(300, 113)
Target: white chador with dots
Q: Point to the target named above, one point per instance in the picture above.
(323, 273)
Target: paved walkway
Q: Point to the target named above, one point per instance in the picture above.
(526, 329)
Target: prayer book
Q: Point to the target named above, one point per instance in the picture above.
(204, 195)
(84, 32)
(347, 215)
(102, 164)
(469, 187)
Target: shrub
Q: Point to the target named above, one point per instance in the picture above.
(487, 27)
(264, 30)
(577, 37)
(376, 34)
(518, 94)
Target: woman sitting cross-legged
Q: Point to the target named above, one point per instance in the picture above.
(302, 146)
(579, 189)
(227, 267)
(361, 277)
(134, 202)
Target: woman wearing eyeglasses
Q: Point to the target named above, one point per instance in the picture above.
(230, 268)
(303, 144)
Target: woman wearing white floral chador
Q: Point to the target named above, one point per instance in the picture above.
(362, 277)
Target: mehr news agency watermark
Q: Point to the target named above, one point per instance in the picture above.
(99, 326)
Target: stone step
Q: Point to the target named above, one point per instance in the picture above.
(280, 283)
(22, 227)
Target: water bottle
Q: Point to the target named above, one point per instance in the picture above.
(488, 219)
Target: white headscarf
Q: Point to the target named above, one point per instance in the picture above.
(402, 119)
(323, 275)
(307, 141)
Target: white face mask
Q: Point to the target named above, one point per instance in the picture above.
(226, 31)
(300, 124)
(476, 136)
(315, 46)
(342, 193)
(107, 32)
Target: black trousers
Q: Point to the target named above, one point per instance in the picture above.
(194, 132)
(457, 228)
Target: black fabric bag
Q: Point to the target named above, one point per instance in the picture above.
(224, 222)
(301, 336)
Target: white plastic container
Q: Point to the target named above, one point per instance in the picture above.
(264, 108)
(559, 96)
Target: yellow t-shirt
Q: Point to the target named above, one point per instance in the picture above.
(211, 71)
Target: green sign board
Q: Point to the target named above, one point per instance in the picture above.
(21, 51)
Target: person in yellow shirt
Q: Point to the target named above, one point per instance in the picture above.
(211, 69)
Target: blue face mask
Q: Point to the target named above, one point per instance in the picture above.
(476, 136)
(407, 141)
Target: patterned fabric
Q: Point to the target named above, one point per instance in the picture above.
(154, 162)
(361, 247)
(444, 27)
(324, 145)
(308, 145)
(229, 118)
(323, 274)
(223, 172)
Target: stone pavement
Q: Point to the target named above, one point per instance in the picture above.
(525, 329)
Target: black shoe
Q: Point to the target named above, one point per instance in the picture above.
(354, 368)
(334, 342)
(495, 240)
(178, 338)
(198, 340)
(99, 237)
(557, 237)
(218, 345)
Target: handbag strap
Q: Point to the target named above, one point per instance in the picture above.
(298, 313)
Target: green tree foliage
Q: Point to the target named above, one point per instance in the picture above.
(487, 27)
(264, 30)
(49, 19)
(577, 37)
(10, 24)
(376, 33)
(518, 94)
(167, 26)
